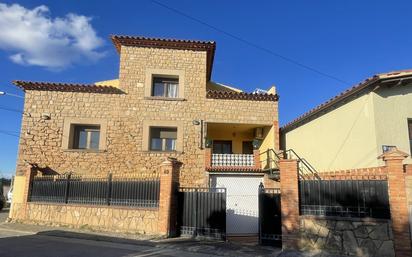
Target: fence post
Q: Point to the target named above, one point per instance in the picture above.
(169, 175)
(289, 189)
(66, 193)
(398, 202)
(261, 190)
(109, 189)
(31, 172)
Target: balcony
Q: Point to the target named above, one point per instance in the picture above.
(232, 162)
(219, 160)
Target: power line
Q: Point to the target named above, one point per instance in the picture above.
(9, 133)
(10, 94)
(250, 43)
(10, 109)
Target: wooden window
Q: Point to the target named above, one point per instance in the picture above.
(86, 137)
(163, 139)
(165, 87)
(222, 147)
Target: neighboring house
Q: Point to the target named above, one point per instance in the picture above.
(353, 128)
(164, 104)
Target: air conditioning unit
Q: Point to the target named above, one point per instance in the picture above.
(259, 133)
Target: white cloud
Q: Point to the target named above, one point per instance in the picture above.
(32, 37)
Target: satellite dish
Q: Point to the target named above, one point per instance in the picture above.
(260, 91)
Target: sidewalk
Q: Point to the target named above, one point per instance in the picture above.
(217, 248)
(209, 247)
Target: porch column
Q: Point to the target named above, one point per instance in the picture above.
(398, 201)
(169, 178)
(289, 189)
(277, 137)
(208, 158)
(256, 158)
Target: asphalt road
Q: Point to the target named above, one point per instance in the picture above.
(22, 240)
(20, 243)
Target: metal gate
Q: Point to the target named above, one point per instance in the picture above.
(270, 223)
(202, 212)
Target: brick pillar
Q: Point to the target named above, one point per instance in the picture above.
(169, 177)
(398, 201)
(256, 158)
(208, 158)
(289, 189)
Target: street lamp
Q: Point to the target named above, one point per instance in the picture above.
(4, 93)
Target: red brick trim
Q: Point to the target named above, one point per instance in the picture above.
(256, 159)
(373, 173)
(235, 168)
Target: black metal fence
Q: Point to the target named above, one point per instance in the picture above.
(202, 212)
(111, 190)
(344, 198)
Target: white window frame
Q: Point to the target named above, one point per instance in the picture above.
(164, 73)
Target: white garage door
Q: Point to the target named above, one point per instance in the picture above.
(242, 209)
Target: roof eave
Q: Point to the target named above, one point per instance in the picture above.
(361, 86)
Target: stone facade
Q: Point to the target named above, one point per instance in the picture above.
(124, 115)
(353, 237)
(102, 218)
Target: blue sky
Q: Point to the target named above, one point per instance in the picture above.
(350, 40)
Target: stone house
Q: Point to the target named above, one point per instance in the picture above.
(163, 104)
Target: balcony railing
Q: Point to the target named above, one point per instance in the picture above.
(233, 160)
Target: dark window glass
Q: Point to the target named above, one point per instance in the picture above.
(163, 139)
(165, 87)
(86, 137)
(222, 147)
(247, 147)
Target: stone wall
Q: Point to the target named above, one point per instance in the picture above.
(354, 237)
(124, 114)
(101, 218)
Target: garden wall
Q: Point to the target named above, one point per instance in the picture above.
(102, 218)
(347, 236)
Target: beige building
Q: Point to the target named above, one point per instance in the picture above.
(353, 128)
(163, 104)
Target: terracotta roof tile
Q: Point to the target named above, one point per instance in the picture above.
(194, 45)
(217, 94)
(66, 87)
(345, 94)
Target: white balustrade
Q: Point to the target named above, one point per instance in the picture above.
(232, 160)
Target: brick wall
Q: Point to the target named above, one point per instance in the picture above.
(371, 173)
(399, 187)
(41, 140)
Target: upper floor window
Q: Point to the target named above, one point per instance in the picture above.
(165, 87)
(410, 133)
(86, 137)
(163, 139)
